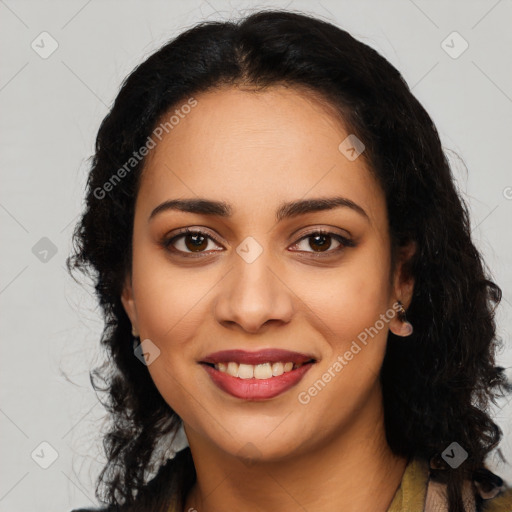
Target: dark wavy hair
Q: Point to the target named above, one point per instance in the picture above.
(437, 386)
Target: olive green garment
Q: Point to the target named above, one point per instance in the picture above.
(412, 492)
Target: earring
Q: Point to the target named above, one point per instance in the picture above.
(136, 339)
(407, 328)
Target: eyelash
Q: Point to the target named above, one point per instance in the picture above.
(344, 242)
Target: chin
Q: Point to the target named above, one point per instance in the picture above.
(257, 447)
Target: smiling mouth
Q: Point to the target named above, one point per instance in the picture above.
(257, 374)
(259, 382)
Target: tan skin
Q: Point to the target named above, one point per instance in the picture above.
(256, 150)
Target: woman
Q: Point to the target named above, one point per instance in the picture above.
(286, 272)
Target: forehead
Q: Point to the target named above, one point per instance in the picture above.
(255, 150)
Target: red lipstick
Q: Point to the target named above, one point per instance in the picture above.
(257, 389)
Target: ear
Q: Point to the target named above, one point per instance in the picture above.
(403, 287)
(403, 280)
(129, 303)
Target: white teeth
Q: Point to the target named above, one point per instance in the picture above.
(246, 371)
(258, 371)
(277, 369)
(232, 369)
(263, 371)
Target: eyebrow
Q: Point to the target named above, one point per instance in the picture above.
(284, 211)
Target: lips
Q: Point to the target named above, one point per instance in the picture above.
(257, 388)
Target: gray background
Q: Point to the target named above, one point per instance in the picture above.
(51, 109)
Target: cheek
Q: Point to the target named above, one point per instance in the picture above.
(347, 309)
(169, 301)
(170, 309)
(352, 297)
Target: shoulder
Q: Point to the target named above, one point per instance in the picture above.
(485, 492)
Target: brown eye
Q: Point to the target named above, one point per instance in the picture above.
(195, 242)
(189, 241)
(321, 242)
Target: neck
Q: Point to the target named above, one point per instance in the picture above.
(353, 471)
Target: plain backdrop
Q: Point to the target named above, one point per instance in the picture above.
(52, 105)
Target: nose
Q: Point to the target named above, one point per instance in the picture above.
(253, 295)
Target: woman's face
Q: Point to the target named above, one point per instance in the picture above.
(252, 280)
